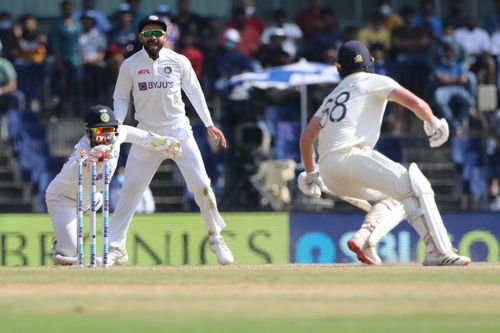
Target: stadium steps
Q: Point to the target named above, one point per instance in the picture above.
(15, 196)
(436, 165)
(167, 187)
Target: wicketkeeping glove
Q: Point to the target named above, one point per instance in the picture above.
(311, 184)
(437, 132)
(168, 144)
(100, 153)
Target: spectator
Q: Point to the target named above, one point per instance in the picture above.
(93, 46)
(173, 34)
(249, 37)
(326, 34)
(492, 22)
(8, 36)
(30, 65)
(230, 61)
(375, 32)
(409, 47)
(10, 97)
(293, 34)
(189, 22)
(190, 51)
(67, 72)
(102, 23)
(137, 14)
(392, 20)
(428, 20)
(274, 54)
(251, 19)
(477, 43)
(456, 14)
(121, 38)
(308, 18)
(453, 100)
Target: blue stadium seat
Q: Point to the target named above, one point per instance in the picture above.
(392, 147)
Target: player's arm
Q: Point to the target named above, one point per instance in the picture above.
(151, 140)
(121, 95)
(192, 89)
(436, 129)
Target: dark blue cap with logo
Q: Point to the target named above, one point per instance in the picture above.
(152, 19)
(100, 116)
(353, 56)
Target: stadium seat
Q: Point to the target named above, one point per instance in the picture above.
(392, 147)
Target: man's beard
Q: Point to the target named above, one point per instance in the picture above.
(153, 54)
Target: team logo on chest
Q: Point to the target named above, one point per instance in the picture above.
(167, 70)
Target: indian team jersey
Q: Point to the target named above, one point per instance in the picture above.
(156, 90)
(65, 183)
(351, 115)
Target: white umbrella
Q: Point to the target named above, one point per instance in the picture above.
(301, 74)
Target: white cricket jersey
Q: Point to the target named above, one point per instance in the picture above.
(351, 115)
(156, 90)
(65, 183)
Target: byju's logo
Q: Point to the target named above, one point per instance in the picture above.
(156, 85)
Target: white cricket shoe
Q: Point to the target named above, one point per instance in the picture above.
(448, 259)
(222, 252)
(116, 256)
(59, 259)
(365, 253)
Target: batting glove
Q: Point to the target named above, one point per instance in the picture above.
(437, 132)
(311, 184)
(100, 153)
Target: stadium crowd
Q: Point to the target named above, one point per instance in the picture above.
(62, 71)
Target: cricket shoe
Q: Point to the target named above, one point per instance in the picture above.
(221, 251)
(447, 259)
(366, 254)
(116, 256)
(59, 259)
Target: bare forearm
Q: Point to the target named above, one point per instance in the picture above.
(412, 102)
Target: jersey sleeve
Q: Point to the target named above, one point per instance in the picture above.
(192, 89)
(382, 85)
(133, 135)
(121, 95)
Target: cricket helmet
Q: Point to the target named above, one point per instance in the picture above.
(100, 117)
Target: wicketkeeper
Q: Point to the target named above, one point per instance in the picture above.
(102, 140)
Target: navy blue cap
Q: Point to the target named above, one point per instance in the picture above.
(100, 116)
(152, 19)
(353, 56)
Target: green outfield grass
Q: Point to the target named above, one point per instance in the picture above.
(252, 298)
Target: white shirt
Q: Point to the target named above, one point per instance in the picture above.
(65, 183)
(156, 90)
(473, 41)
(351, 115)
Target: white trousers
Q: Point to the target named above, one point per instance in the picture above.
(365, 174)
(62, 212)
(141, 166)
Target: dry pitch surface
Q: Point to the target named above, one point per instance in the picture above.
(264, 298)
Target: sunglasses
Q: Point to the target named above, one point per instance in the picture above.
(153, 32)
(101, 130)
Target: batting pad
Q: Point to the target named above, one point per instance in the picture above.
(425, 216)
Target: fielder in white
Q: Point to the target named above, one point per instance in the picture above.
(155, 76)
(347, 126)
(102, 142)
